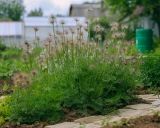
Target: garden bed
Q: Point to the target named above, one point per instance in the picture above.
(69, 80)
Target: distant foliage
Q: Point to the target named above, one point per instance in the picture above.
(11, 10)
(36, 12)
(136, 8)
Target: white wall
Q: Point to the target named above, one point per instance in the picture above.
(11, 28)
(11, 33)
(44, 32)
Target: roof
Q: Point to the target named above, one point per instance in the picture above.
(44, 21)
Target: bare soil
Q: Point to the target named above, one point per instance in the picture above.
(38, 125)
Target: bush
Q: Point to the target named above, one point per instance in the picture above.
(150, 71)
(12, 10)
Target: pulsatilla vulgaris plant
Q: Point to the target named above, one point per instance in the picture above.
(74, 75)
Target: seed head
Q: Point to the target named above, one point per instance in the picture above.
(52, 19)
(62, 22)
(81, 33)
(86, 29)
(35, 29)
(87, 22)
(80, 25)
(76, 19)
(26, 43)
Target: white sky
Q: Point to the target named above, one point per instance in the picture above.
(52, 6)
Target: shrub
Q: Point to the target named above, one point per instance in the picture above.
(150, 68)
(12, 10)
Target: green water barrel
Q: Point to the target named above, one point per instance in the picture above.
(144, 40)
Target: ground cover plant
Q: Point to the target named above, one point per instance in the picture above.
(67, 76)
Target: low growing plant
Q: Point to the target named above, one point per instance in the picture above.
(11, 53)
(7, 68)
(4, 110)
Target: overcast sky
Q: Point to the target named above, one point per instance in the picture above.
(52, 6)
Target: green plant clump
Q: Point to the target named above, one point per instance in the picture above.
(4, 110)
(76, 78)
(7, 68)
(150, 71)
(2, 46)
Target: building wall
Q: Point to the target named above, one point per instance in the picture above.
(15, 33)
(85, 13)
(86, 10)
(44, 32)
(11, 33)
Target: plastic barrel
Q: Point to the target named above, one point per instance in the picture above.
(144, 40)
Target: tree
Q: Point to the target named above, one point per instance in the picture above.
(15, 10)
(36, 12)
(11, 10)
(136, 8)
